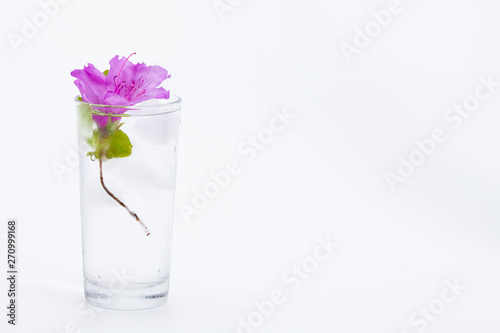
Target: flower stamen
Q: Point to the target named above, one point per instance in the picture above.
(116, 78)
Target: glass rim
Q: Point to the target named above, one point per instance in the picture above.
(172, 104)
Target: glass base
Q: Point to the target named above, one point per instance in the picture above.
(134, 297)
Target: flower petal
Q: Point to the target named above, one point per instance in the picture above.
(154, 76)
(114, 99)
(87, 94)
(91, 83)
(155, 93)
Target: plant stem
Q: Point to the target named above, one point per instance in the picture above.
(134, 215)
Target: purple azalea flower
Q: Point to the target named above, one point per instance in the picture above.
(125, 84)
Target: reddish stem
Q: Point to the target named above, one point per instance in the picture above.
(134, 215)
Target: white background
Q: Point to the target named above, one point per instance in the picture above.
(323, 175)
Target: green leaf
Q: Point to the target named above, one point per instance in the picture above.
(84, 117)
(95, 142)
(106, 72)
(109, 142)
(118, 145)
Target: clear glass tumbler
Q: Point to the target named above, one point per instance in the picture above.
(127, 183)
